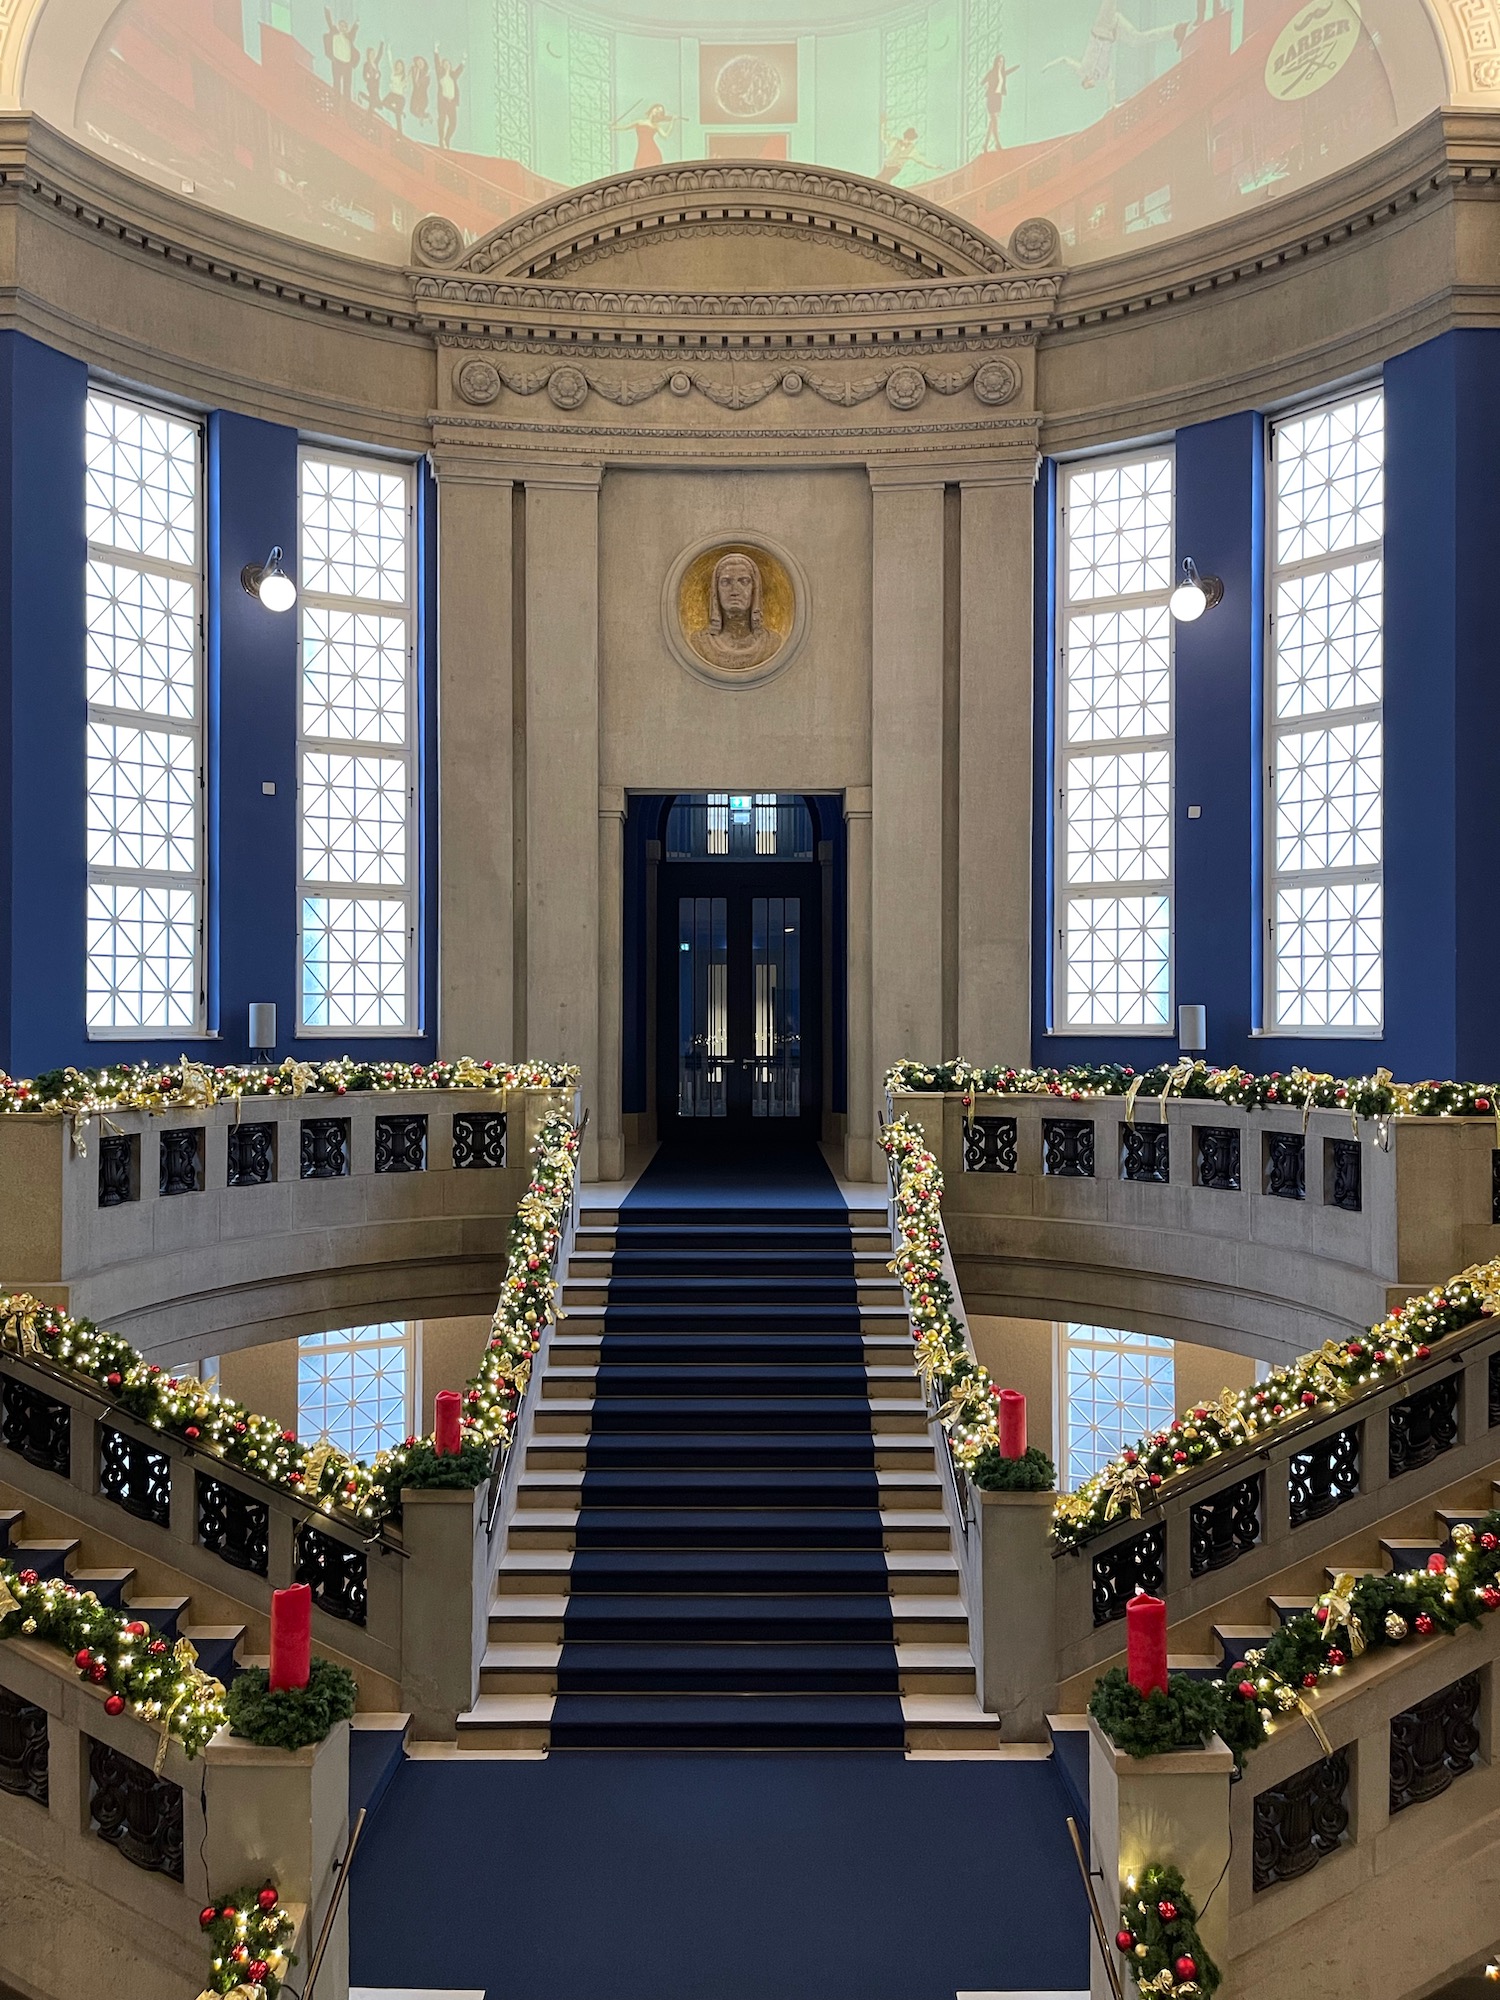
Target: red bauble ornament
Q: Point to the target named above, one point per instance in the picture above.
(1335, 1656)
(267, 1898)
(137, 1628)
(1167, 1911)
(1309, 1680)
(1247, 1690)
(82, 1657)
(258, 1971)
(229, 1911)
(98, 1672)
(1438, 1564)
(192, 1431)
(1186, 1967)
(112, 1380)
(1124, 1940)
(115, 1705)
(1424, 1624)
(208, 1916)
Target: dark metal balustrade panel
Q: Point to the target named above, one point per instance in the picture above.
(337, 1573)
(479, 1138)
(252, 1155)
(23, 1748)
(1343, 1174)
(1285, 1166)
(1068, 1148)
(1299, 1822)
(233, 1525)
(990, 1146)
(182, 1160)
(1145, 1153)
(139, 1814)
(1434, 1743)
(1216, 1153)
(1424, 1425)
(1324, 1476)
(401, 1144)
(325, 1149)
(35, 1426)
(1224, 1527)
(134, 1476)
(119, 1169)
(1140, 1563)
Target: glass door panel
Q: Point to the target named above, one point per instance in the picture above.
(776, 975)
(702, 1006)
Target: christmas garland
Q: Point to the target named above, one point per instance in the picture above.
(1158, 1936)
(1377, 1096)
(320, 1474)
(968, 1410)
(78, 1093)
(249, 1934)
(157, 1679)
(1317, 1383)
(290, 1718)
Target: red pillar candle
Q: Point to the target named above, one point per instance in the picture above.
(446, 1413)
(1146, 1642)
(1012, 1424)
(291, 1636)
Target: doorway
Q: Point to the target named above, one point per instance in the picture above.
(739, 970)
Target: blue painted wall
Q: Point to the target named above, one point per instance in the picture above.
(252, 670)
(1442, 726)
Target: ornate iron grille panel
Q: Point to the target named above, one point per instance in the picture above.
(990, 1146)
(1434, 1743)
(119, 1169)
(1324, 1476)
(35, 1426)
(336, 1572)
(1225, 1526)
(1300, 1821)
(1217, 1149)
(1118, 1573)
(325, 1149)
(233, 1525)
(252, 1155)
(401, 1145)
(182, 1161)
(23, 1748)
(1286, 1166)
(1145, 1153)
(479, 1138)
(1343, 1174)
(135, 1811)
(135, 1477)
(1425, 1424)
(1068, 1147)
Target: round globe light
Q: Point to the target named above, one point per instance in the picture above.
(1195, 594)
(279, 593)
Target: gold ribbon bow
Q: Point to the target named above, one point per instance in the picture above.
(1123, 1486)
(1310, 1717)
(240, 1992)
(1130, 1097)
(195, 1684)
(468, 1073)
(300, 1075)
(318, 1460)
(1177, 1076)
(197, 1086)
(1341, 1616)
(7, 1602)
(18, 1321)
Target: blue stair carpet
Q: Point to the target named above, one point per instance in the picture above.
(702, 1877)
(729, 1587)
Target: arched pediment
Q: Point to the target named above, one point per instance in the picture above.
(726, 225)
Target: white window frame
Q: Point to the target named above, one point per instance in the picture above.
(1069, 1335)
(1275, 729)
(375, 1339)
(408, 752)
(1064, 752)
(195, 731)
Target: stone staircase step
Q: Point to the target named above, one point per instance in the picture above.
(948, 1722)
(47, 1557)
(108, 1585)
(12, 1520)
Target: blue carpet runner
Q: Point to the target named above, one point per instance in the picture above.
(729, 1587)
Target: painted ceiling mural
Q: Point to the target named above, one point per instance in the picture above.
(345, 123)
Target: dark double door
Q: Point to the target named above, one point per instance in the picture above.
(739, 999)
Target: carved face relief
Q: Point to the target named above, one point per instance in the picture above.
(734, 610)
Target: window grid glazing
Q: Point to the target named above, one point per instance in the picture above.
(1325, 726)
(355, 1387)
(1114, 757)
(358, 892)
(1116, 1387)
(143, 669)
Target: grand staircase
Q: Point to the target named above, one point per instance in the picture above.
(729, 1531)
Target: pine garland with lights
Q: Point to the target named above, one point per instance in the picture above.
(79, 1093)
(1158, 1937)
(1152, 1725)
(320, 1474)
(249, 1935)
(290, 1718)
(157, 1679)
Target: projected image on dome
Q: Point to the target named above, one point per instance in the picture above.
(345, 124)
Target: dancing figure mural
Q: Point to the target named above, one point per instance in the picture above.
(447, 74)
(343, 54)
(1111, 28)
(900, 150)
(996, 83)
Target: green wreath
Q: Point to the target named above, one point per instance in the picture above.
(1158, 1937)
(290, 1718)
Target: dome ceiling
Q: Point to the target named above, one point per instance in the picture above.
(345, 124)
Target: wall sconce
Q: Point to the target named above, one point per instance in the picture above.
(269, 582)
(1195, 594)
(1192, 1030)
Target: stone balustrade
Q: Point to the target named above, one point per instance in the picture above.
(107, 1861)
(1257, 1231)
(197, 1231)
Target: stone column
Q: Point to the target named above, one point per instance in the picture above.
(476, 983)
(906, 762)
(607, 1097)
(562, 774)
(859, 1095)
(994, 768)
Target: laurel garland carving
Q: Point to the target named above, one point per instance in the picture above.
(1038, 293)
(479, 382)
(615, 246)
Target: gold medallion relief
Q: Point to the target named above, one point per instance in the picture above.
(736, 607)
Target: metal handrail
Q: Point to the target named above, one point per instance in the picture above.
(341, 1871)
(1111, 1973)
